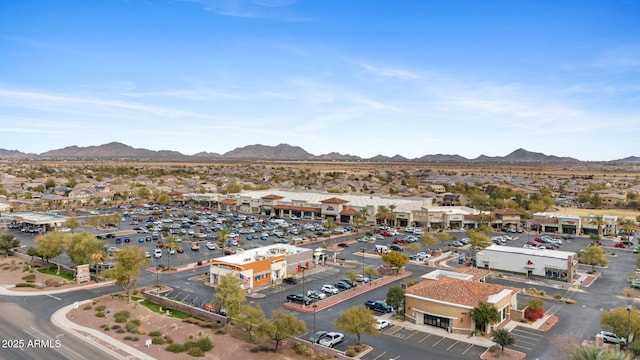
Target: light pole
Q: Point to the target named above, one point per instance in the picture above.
(157, 289)
(313, 346)
(363, 250)
(304, 295)
(628, 322)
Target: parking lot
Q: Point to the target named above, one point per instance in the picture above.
(423, 342)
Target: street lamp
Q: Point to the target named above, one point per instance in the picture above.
(313, 346)
(628, 322)
(303, 268)
(363, 250)
(157, 289)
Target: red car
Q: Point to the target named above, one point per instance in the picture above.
(532, 243)
(399, 241)
(343, 245)
(386, 233)
(619, 245)
(180, 250)
(540, 240)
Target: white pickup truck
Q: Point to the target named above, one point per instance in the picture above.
(331, 339)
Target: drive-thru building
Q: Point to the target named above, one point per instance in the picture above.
(551, 264)
(263, 265)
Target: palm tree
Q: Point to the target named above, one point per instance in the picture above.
(329, 225)
(171, 243)
(221, 236)
(598, 220)
(483, 315)
(382, 215)
(96, 259)
(360, 218)
(392, 215)
(628, 225)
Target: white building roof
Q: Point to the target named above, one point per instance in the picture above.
(251, 255)
(555, 254)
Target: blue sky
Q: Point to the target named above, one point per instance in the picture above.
(352, 76)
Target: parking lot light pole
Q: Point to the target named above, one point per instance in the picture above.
(629, 307)
(313, 346)
(303, 268)
(157, 289)
(363, 251)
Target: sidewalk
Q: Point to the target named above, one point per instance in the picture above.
(94, 337)
(6, 289)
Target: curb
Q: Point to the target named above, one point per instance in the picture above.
(551, 325)
(6, 291)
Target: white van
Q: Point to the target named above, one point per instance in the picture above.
(381, 249)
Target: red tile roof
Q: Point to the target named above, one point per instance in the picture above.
(272, 197)
(348, 211)
(455, 291)
(506, 212)
(334, 200)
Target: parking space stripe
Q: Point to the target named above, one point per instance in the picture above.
(376, 358)
(521, 347)
(424, 338)
(410, 335)
(469, 348)
(437, 342)
(452, 345)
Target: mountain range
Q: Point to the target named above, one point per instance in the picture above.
(116, 150)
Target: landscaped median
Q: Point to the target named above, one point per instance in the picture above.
(347, 294)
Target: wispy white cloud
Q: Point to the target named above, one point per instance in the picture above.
(387, 72)
(621, 59)
(267, 9)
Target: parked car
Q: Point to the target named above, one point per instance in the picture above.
(157, 253)
(349, 282)
(211, 246)
(343, 245)
(317, 336)
(331, 339)
(316, 294)
(340, 285)
(612, 338)
(147, 254)
(379, 306)
(298, 298)
(329, 289)
(362, 278)
(635, 250)
(180, 250)
(381, 324)
(290, 280)
(195, 246)
(395, 247)
(619, 245)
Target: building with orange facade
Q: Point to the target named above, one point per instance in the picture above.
(262, 266)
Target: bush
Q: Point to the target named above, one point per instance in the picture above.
(533, 315)
(100, 314)
(101, 307)
(29, 278)
(175, 348)
(115, 327)
(557, 296)
(123, 313)
(350, 352)
(168, 339)
(300, 348)
(155, 333)
(131, 338)
(195, 352)
(260, 348)
(120, 319)
(157, 340)
(132, 327)
(120, 331)
(31, 285)
(87, 307)
(358, 348)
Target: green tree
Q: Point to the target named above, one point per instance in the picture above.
(283, 325)
(395, 296)
(163, 198)
(221, 236)
(427, 239)
(360, 218)
(445, 236)
(250, 317)
(593, 255)
(484, 314)
(382, 215)
(129, 263)
(144, 193)
(51, 245)
(413, 247)
(230, 295)
(97, 258)
(478, 239)
(8, 242)
(82, 246)
(598, 221)
(329, 225)
(234, 187)
(395, 259)
(618, 319)
(352, 275)
(72, 223)
(358, 321)
(503, 338)
(595, 353)
(171, 243)
(372, 273)
(50, 183)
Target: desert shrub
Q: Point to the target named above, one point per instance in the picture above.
(157, 340)
(534, 314)
(535, 304)
(494, 349)
(358, 348)
(175, 348)
(300, 348)
(52, 282)
(100, 314)
(168, 339)
(192, 321)
(101, 307)
(350, 352)
(120, 331)
(87, 307)
(221, 332)
(131, 338)
(195, 352)
(541, 292)
(116, 327)
(155, 333)
(29, 278)
(31, 285)
(322, 356)
(142, 331)
(105, 329)
(260, 348)
(120, 319)
(123, 313)
(557, 296)
(132, 326)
